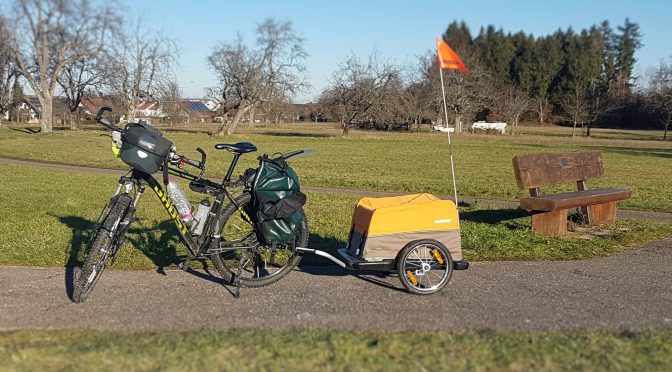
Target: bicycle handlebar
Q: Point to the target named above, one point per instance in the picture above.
(295, 153)
(105, 121)
(193, 163)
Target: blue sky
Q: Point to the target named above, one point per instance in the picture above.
(397, 31)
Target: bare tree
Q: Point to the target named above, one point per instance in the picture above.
(170, 100)
(466, 93)
(574, 104)
(248, 77)
(9, 74)
(49, 34)
(79, 78)
(512, 103)
(141, 62)
(585, 103)
(424, 91)
(276, 110)
(359, 91)
(659, 101)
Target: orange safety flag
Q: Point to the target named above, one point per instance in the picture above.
(447, 58)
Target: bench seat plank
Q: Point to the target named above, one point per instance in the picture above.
(568, 200)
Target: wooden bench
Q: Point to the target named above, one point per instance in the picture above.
(550, 210)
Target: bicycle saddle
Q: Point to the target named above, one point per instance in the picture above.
(240, 147)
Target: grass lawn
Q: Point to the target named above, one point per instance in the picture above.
(49, 213)
(407, 162)
(336, 350)
(52, 212)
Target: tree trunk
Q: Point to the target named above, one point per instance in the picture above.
(132, 104)
(345, 126)
(574, 129)
(458, 123)
(665, 133)
(515, 124)
(251, 117)
(74, 120)
(47, 110)
(541, 111)
(227, 130)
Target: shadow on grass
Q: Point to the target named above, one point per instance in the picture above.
(298, 134)
(158, 243)
(160, 250)
(494, 216)
(660, 153)
(28, 130)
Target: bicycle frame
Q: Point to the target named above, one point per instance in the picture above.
(209, 242)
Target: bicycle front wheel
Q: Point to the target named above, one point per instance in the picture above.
(261, 265)
(103, 245)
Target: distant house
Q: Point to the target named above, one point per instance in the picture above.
(148, 109)
(30, 109)
(212, 104)
(197, 111)
(91, 105)
(306, 112)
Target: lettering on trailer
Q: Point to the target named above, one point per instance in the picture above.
(171, 209)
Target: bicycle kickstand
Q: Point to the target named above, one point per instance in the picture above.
(237, 281)
(184, 265)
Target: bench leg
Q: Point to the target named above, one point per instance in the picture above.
(600, 213)
(550, 223)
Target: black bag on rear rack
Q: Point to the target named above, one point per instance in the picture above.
(143, 147)
(277, 202)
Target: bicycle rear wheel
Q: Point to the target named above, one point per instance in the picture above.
(261, 265)
(105, 242)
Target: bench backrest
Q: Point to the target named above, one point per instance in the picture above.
(548, 168)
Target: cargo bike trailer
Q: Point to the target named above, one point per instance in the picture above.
(416, 236)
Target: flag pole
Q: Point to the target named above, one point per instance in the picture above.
(450, 145)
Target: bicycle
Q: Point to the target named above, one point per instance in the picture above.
(228, 237)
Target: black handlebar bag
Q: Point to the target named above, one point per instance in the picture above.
(143, 147)
(277, 202)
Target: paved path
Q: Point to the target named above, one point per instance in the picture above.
(627, 291)
(655, 216)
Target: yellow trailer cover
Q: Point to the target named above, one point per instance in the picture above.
(381, 227)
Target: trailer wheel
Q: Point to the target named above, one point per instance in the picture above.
(424, 266)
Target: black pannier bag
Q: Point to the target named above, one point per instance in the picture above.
(277, 202)
(143, 147)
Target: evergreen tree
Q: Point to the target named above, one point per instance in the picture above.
(17, 100)
(496, 51)
(545, 67)
(629, 40)
(458, 37)
(580, 74)
(608, 76)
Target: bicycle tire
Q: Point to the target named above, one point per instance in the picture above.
(103, 245)
(227, 263)
(420, 261)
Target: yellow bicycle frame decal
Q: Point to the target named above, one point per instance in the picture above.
(171, 209)
(247, 217)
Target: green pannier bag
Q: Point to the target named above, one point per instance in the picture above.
(277, 202)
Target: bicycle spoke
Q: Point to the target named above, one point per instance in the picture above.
(415, 252)
(428, 280)
(440, 277)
